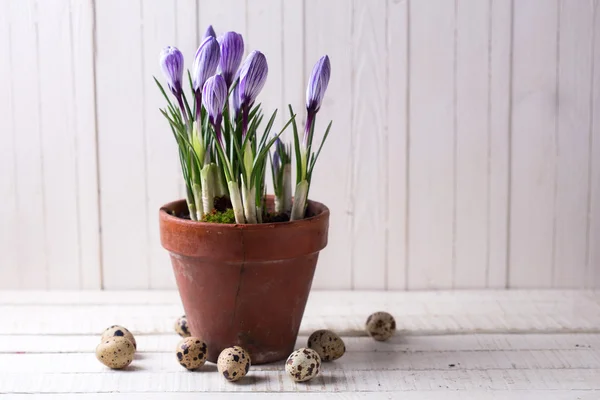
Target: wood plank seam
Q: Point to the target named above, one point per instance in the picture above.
(352, 178)
(556, 141)
(454, 141)
(510, 144)
(408, 153)
(97, 144)
(589, 269)
(489, 147)
(386, 191)
(144, 143)
(79, 257)
(39, 132)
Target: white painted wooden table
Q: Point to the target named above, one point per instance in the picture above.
(450, 345)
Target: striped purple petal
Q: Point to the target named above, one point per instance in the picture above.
(253, 76)
(232, 51)
(214, 96)
(171, 63)
(205, 62)
(317, 85)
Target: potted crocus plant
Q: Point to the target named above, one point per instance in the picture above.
(243, 260)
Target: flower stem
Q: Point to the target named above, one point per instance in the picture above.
(248, 195)
(307, 136)
(299, 206)
(217, 127)
(248, 160)
(197, 189)
(190, 203)
(283, 196)
(182, 107)
(221, 185)
(236, 202)
(198, 110)
(245, 111)
(208, 187)
(287, 188)
(259, 212)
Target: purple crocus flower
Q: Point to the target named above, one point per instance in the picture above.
(315, 91)
(232, 50)
(317, 85)
(171, 63)
(210, 32)
(205, 65)
(214, 96)
(253, 76)
(205, 62)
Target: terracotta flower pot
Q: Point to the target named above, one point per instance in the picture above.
(245, 285)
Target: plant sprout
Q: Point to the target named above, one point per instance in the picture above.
(281, 168)
(224, 140)
(305, 157)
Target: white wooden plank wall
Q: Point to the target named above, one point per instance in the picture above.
(465, 150)
(432, 133)
(397, 145)
(573, 122)
(534, 140)
(498, 125)
(49, 217)
(472, 143)
(369, 135)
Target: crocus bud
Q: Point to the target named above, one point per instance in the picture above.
(253, 76)
(205, 62)
(171, 62)
(232, 50)
(276, 157)
(210, 32)
(214, 96)
(317, 85)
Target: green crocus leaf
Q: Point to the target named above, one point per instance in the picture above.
(296, 148)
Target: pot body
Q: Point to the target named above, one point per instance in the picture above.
(245, 285)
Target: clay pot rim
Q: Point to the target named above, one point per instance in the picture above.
(322, 209)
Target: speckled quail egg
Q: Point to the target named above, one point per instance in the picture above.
(118, 330)
(381, 325)
(181, 327)
(115, 352)
(233, 363)
(327, 344)
(303, 365)
(191, 353)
